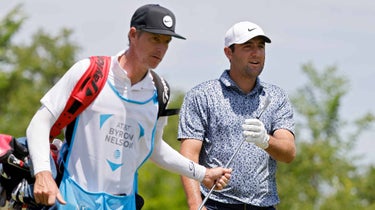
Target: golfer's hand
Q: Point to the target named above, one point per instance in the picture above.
(255, 132)
(219, 176)
(45, 189)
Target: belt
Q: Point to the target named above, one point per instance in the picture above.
(227, 206)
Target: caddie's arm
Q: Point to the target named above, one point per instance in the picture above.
(45, 189)
(170, 159)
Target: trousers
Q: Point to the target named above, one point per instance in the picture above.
(215, 205)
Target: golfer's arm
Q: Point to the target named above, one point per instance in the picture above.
(281, 146)
(190, 148)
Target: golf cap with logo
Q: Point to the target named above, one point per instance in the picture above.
(155, 19)
(242, 32)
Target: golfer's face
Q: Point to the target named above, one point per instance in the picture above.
(152, 48)
(250, 56)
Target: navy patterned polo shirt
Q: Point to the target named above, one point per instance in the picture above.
(213, 112)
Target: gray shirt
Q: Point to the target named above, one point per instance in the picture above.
(214, 112)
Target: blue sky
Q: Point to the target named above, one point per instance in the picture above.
(323, 32)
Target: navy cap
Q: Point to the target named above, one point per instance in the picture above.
(156, 19)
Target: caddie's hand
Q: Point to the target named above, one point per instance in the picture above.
(45, 189)
(218, 175)
(255, 132)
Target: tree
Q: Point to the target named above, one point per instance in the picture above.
(28, 70)
(8, 27)
(366, 187)
(323, 175)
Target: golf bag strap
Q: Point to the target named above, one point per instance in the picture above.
(83, 93)
(163, 90)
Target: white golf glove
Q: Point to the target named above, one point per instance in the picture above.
(255, 132)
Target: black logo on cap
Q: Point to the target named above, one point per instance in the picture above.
(250, 29)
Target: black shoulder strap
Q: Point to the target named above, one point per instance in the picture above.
(163, 90)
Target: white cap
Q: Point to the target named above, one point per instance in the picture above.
(241, 32)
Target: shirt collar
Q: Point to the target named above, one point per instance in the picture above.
(145, 83)
(229, 83)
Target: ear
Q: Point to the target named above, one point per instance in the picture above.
(132, 33)
(228, 52)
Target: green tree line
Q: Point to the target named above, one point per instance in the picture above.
(323, 175)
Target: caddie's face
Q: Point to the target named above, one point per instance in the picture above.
(151, 48)
(249, 57)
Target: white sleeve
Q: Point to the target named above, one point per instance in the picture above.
(38, 139)
(53, 103)
(168, 158)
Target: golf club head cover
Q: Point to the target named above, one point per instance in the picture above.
(9, 145)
